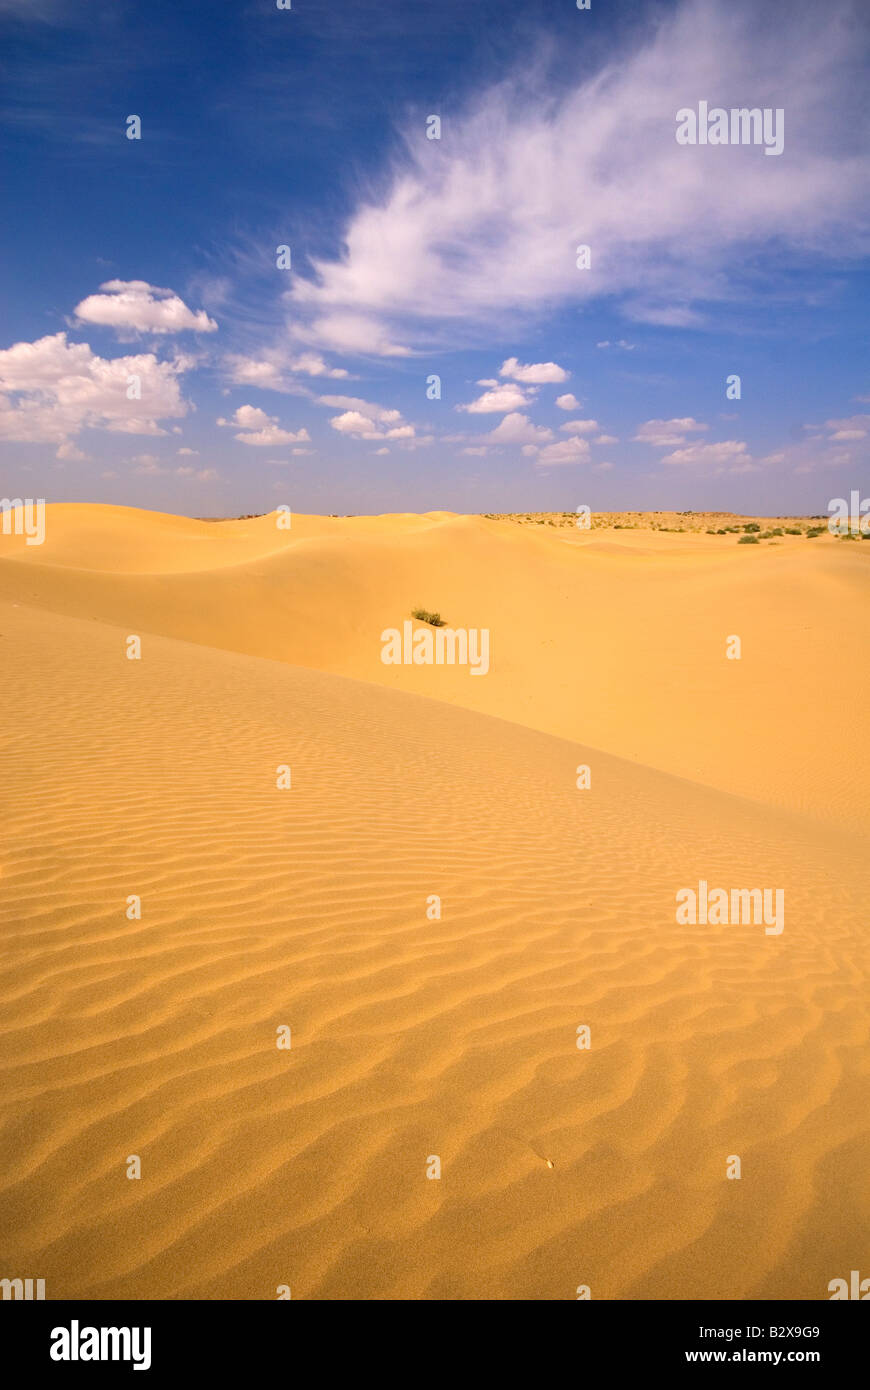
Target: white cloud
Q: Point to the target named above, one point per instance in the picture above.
(134, 306)
(535, 373)
(261, 430)
(474, 232)
(276, 370)
(564, 451)
(362, 419)
(626, 347)
(580, 426)
(730, 456)
(606, 439)
(371, 411)
(270, 435)
(188, 451)
(248, 417)
(663, 434)
(568, 402)
(312, 364)
(518, 429)
(855, 427)
(71, 453)
(499, 400)
(51, 389)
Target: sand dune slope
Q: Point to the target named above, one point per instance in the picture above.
(411, 1037)
(619, 643)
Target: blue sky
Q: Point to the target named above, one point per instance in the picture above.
(156, 258)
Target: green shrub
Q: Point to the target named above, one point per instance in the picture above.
(747, 540)
(751, 526)
(434, 619)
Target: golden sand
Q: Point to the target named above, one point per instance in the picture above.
(307, 907)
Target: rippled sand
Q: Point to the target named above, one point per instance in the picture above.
(307, 907)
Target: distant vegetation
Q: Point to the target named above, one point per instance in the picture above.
(434, 619)
(747, 540)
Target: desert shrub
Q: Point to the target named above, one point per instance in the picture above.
(434, 619)
(793, 531)
(747, 540)
(751, 526)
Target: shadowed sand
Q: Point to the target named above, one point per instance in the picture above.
(307, 907)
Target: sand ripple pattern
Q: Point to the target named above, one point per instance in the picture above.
(410, 1037)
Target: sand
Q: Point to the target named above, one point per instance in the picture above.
(307, 907)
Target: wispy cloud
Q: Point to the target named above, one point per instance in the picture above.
(484, 225)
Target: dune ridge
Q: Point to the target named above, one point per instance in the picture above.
(621, 648)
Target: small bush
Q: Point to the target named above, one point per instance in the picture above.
(815, 531)
(793, 531)
(751, 526)
(747, 540)
(434, 619)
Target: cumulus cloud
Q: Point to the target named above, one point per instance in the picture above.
(564, 451)
(361, 419)
(568, 402)
(276, 370)
(517, 428)
(730, 456)
(499, 400)
(665, 433)
(535, 373)
(580, 426)
(70, 453)
(359, 426)
(478, 230)
(134, 306)
(52, 389)
(261, 430)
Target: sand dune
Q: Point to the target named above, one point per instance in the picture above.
(615, 639)
(307, 907)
